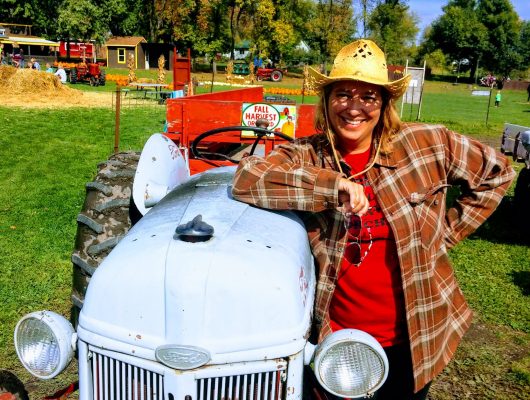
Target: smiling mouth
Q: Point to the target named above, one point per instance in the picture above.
(353, 122)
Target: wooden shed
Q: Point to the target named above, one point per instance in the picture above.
(119, 48)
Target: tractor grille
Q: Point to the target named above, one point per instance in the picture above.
(117, 380)
(114, 379)
(258, 386)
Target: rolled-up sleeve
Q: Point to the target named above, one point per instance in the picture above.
(290, 178)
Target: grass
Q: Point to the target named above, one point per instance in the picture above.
(46, 157)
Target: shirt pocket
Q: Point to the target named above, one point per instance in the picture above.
(428, 206)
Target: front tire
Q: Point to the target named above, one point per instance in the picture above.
(103, 221)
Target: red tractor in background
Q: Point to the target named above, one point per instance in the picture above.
(87, 72)
(274, 74)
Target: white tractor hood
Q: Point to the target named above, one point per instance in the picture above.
(249, 288)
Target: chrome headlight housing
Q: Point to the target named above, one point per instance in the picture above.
(350, 363)
(45, 343)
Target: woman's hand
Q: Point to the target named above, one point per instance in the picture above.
(352, 197)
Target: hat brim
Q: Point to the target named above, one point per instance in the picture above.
(318, 81)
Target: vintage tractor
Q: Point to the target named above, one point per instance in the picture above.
(87, 72)
(273, 74)
(200, 297)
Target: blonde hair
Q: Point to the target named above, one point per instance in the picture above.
(387, 127)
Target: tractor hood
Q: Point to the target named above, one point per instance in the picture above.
(248, 288)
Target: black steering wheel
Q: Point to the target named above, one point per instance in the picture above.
(260, 133)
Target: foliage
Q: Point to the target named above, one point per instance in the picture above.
(332, 27)
(503, 27)
(39, 13)
(394, 29)
(485, 31)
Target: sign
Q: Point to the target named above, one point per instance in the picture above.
(281, 117)
(413, 93)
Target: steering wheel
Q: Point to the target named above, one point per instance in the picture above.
(260, 133)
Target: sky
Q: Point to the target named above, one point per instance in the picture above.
(429, 10)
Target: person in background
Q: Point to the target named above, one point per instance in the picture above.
(498, 99)
(35, 64)
(528, 91)
(258, 62)
(61, 73)
(371, 191)
(22, 62)
(49, 68)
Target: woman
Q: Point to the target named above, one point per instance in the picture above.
(372, 194)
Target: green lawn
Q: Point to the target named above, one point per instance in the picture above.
(47, 156)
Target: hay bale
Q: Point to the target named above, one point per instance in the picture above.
(30, 81)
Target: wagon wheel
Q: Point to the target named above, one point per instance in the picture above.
(93, 81)
(276, 76)
(259, 77)
(260, 133)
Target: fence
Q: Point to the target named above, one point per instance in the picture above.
(137, 115)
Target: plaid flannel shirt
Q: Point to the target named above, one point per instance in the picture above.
(411, 186)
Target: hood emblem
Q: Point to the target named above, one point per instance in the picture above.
(182, 357)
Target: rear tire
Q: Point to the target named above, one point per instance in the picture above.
(103, 221)
(73, 76)
(276, 76)
(102, 78)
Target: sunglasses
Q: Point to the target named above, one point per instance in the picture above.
(353, 252)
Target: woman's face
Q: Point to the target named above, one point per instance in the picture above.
(354, 109)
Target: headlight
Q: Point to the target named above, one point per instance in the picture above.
(44, 342)
(350, 363)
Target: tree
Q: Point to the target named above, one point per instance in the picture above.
(81, 20)
(41, 14)
(484, 31)
(366, 9)
(394, 29)
(458, 33)
(332, 27)
(503, 27)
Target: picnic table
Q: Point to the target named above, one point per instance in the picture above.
(148, 88)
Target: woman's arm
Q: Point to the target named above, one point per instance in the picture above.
(483, 176)
(290, 177)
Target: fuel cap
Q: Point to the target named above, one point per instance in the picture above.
(195, 230)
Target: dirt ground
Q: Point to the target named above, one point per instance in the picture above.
(76, 98)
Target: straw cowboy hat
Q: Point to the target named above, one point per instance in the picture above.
(361, 61)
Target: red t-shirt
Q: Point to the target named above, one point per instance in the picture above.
(369, 297)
